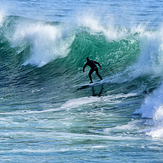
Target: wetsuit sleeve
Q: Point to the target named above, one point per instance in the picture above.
(97, 63)
(85, 66)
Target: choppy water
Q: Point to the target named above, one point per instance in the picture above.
(46, 115)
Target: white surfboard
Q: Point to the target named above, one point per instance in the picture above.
(89, 85)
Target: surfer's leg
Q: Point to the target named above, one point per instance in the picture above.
(90, 72)
(98, 73)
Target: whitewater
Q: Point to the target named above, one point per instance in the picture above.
(47, 114)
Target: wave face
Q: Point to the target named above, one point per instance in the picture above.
(40, 43)
(36, 51)
(124, 54)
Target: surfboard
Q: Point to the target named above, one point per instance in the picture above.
(89, 85)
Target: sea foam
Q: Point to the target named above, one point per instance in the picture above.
(110, 31)
(47, 42)
(153, 109)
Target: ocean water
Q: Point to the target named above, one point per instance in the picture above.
(47, 114)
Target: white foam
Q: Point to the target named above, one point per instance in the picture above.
(80, 101)
(131, 126)
(150, 59)
(74, 103)
(1, 18)
(90, 100)
(157, 130)
(46, 42)
(152, 103)
(153, 109)
(94, 23)
(156, 133)
(151, 55)
(2, 14)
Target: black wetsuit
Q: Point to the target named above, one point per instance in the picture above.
(92, 63)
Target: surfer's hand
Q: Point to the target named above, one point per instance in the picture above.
(83, 71)
(100, 67)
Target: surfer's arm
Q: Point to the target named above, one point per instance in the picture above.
(84, 67)
(98, 64)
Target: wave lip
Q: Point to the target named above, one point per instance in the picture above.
(125, 54)
(46, 42)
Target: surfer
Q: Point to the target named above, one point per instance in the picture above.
(92, 63)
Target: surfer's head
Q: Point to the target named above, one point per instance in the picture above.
(88, 59)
